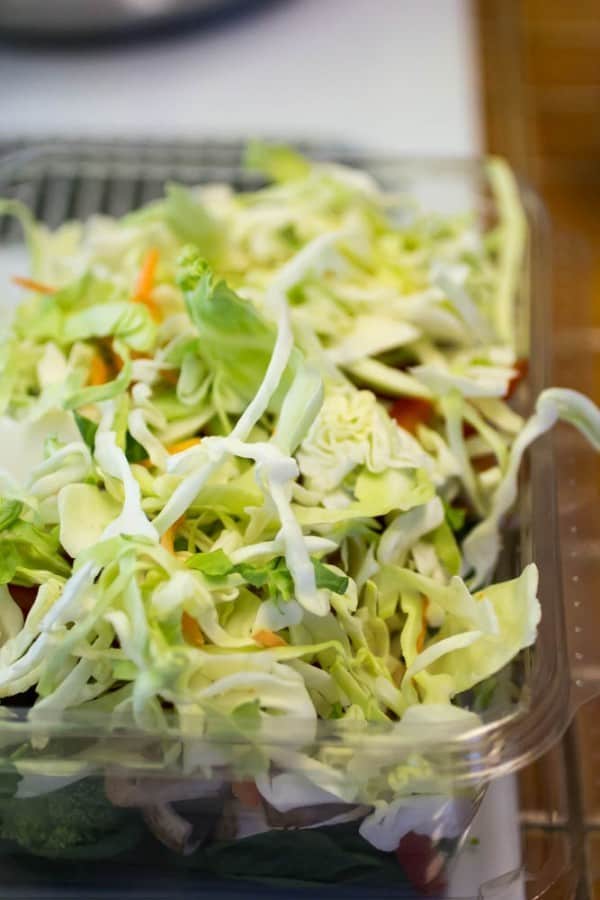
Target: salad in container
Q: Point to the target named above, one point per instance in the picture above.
(260, 461)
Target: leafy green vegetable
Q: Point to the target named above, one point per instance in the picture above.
(318, 404)
(235, 340)
(330, 580)
(323, 856)
(127, 322)
(191, 221)
(274, 574)
(30, 553)
(10, 510)
(9, 780)
(9, 563)
(246, 716)
(446, 548)
(74, 822)
(455, 516)
(213, 563)
(87, 429)
(134, 451)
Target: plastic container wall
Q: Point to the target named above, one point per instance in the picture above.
(185, 802)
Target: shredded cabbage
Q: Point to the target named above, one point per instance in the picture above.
(256, 452)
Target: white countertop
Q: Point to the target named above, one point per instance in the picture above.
(390, 74)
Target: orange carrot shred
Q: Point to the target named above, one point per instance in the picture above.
(423, 631)
(115, 361)
(192, 633)
(145, 284)
(33, 285)
(100, 372)
(180, 446)
(267, 638)
(145, 281)
(168, 538)
(174, 448)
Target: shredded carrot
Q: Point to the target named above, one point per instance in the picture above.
(267, 638)
(32, 285)
(174, 448)
(117, 363)
(180, 446)
(247, 793)
(100, 371)
(409, 412)
(168, 539)
(145, 283)
(192, 633)
(110, 355)
(116, 359)
(423, 632)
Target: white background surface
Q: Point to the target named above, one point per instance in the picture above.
(392, 74)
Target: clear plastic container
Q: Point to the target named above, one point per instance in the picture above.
(186, 803)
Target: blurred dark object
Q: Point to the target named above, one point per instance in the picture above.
(70, 22)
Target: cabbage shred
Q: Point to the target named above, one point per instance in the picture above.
(263, 477)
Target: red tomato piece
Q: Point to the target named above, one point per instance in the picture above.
(422, 863)
(409, 412)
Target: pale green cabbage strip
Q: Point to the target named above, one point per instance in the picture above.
(336, 363)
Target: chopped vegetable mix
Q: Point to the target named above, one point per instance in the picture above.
(256, 451)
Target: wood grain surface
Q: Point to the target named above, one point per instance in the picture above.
(540, 91)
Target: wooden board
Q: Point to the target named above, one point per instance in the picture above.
(540, 88)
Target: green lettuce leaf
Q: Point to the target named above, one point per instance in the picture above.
(10, 511)
(30, 553)
(192, 222)
(446, 548)
(214, 563)
(236, 342)
(273, 575)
